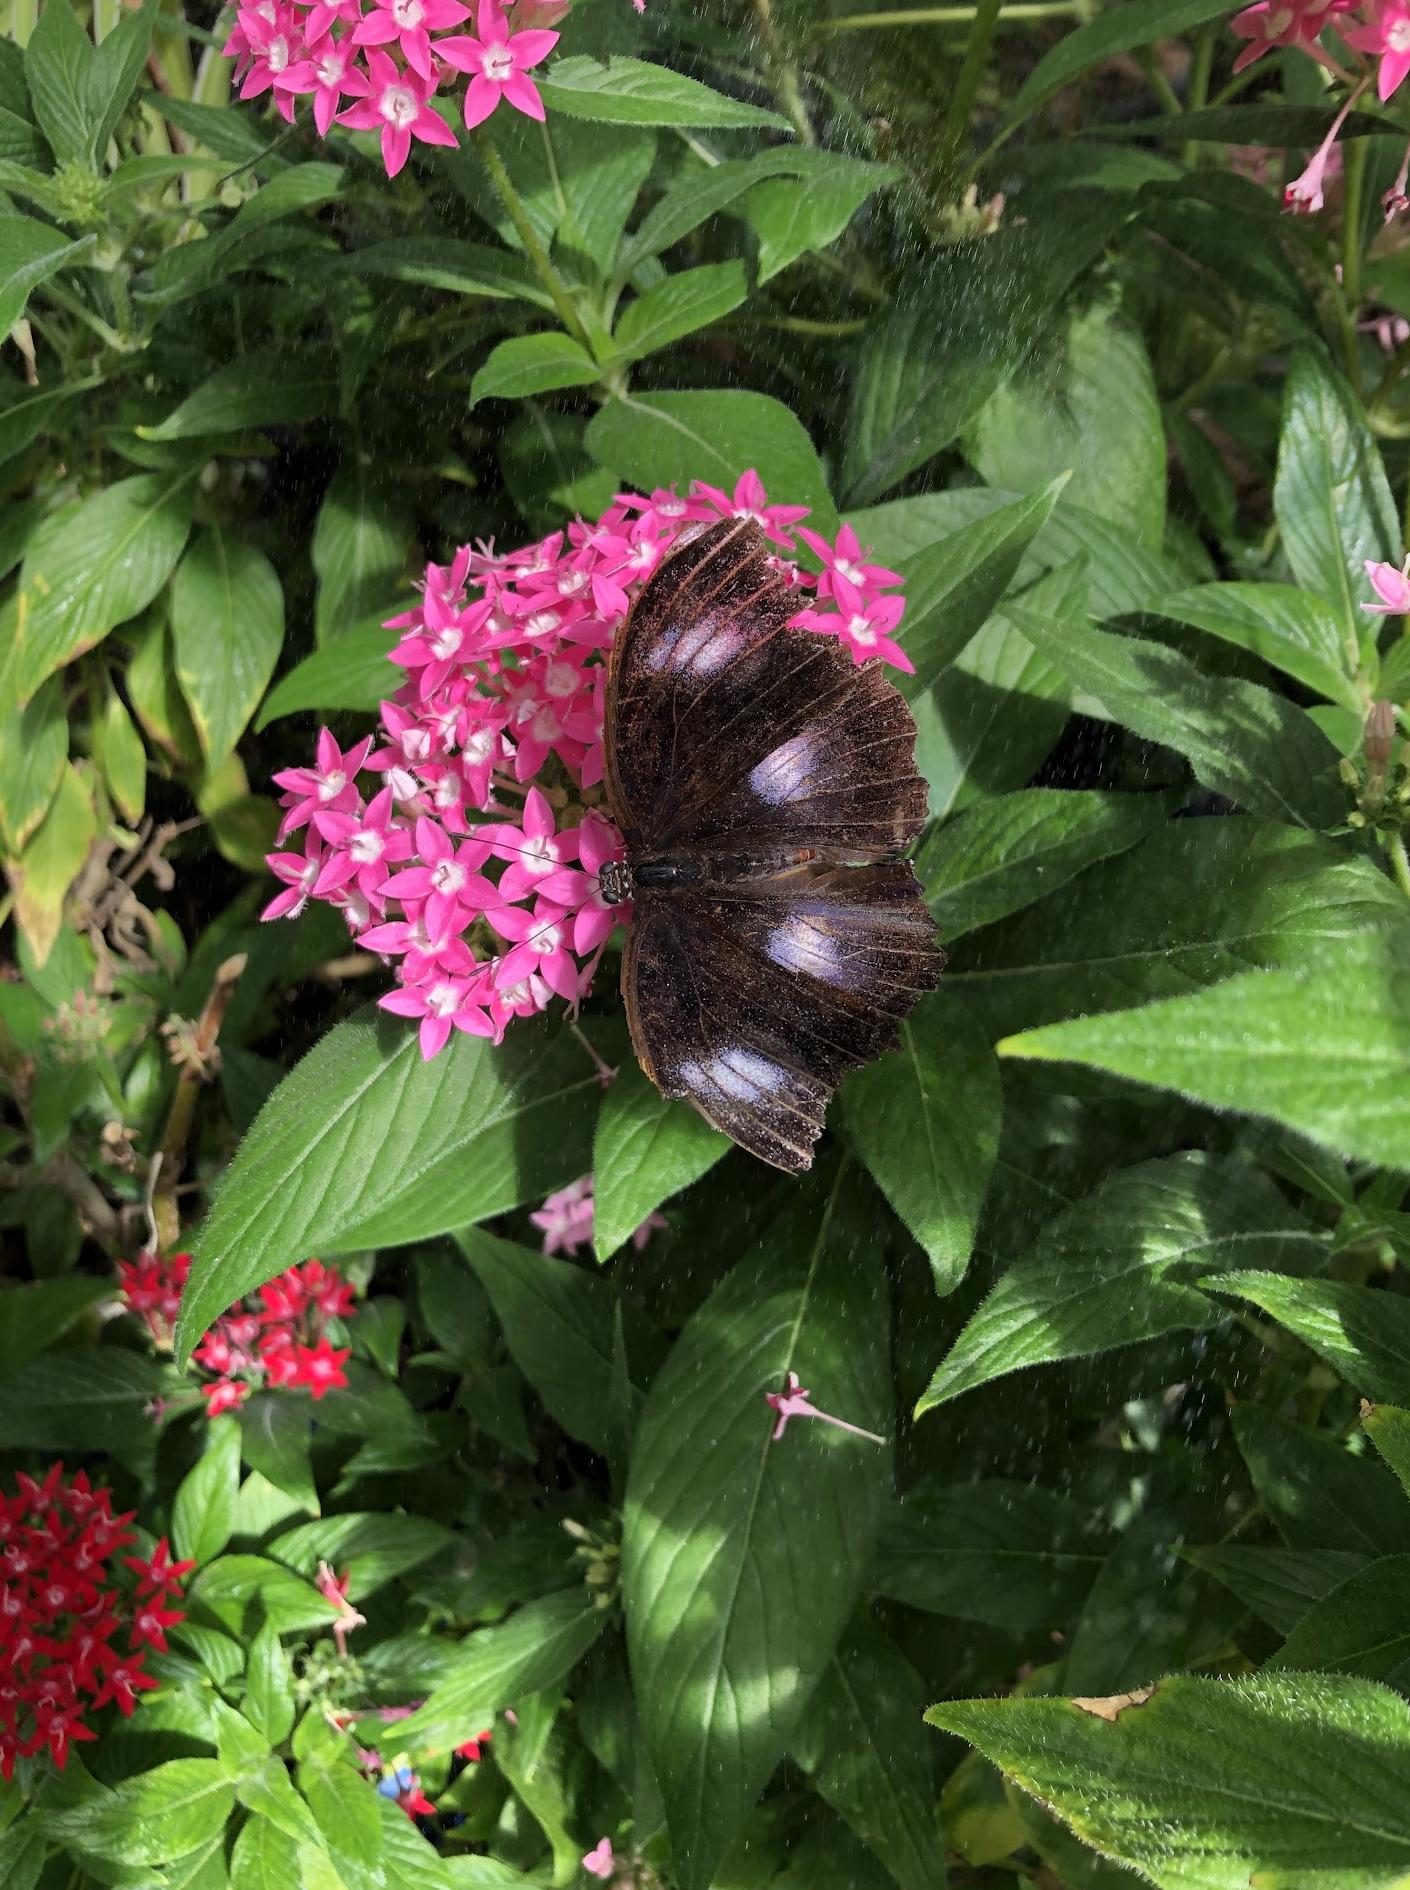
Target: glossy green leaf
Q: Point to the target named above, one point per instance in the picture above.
(601, 169)
(57, 68)
(264, 1858)
(359, 551)
(669, 439)
(117, 66)
(1196, 903)
(1318, 1048)
(203, 1509)
(269, 1687)
(93, 567)
(1388, 1428)
(351, 673)
(1123, 1265)
(931, 1159)
(29, 253)
(371, 1548)
(41, 877)
(1331, 498)
(1294, 630)
(1361, 1627)
(1279, 1585)
(699, 192)
(1320, 1495)
(635, 92)
(118, 750)
(558, 1322)
(791, 217)
(34, 746)
(1288, 1780)
(188, 268)
(1004, 854)
(227, 627)
(276, 1439)
(277, 387)
(1135, 23)
(244, 1591)
(646, 1148)
(1363, 1335)
(532, 1650)
(677, 306)
(859, 1745)
(36, 1313)
(532, 364)
(159, 1814)
(1009, 1554)
(953, 585)
(365, 1142)
(1239, 738)
(728, 1626)
(463, 268)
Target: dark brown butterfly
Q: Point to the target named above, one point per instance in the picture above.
(764, 784)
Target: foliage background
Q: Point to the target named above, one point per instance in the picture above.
(1112, 1250)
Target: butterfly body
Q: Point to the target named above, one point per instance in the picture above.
(765, 787)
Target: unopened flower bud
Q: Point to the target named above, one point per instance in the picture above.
(1379, 738)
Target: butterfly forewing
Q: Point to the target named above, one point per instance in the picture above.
(766, 758)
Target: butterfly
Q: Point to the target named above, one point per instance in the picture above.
(765, 786)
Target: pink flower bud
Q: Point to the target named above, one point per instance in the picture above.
(1391, 585)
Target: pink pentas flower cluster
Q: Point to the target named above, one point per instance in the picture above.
(277, 1337)
(464, 841)
(74, 1630)
(566, 1220)
(377, 65)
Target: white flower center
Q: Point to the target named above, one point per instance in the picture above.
(539, 855)
(1398, 35)
(366, 846)
(446, 642)
(480, 747)
(447, 876)
(330, 68)
(560, 679)
(442, 1000)
(548, 940)
(572, 582)
(497, 64)
(408, 13)
(845, 568)
(416, 744)
(543, 623)
(860, 630)
(278, 54)
(545, 725)
(399, 108)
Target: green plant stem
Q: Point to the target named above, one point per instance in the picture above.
(1400, 863)
(1353, 185)
(528, 236)
(961, 102)
(1200, 69)
(785, 72)
(1161, 86)
(956, 16)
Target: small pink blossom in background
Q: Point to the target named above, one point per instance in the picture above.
(334, 1589)
(794, 1401)
(465, 840)
(600, 1861)
(1387, 33)
(1391, 585)
(389, 58)
(1272, 23)
(1304, 195)
(566, 1220)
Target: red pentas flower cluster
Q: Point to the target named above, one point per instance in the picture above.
(71, 1639)
(377, 67)
(276, 1337)
(463, 843)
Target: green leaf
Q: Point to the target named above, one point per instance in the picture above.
(1318, 1494)
(952, 586)
(1088, 405)
(462, 268)
(269, 1687)
(690, 299)
(34, 748)
(1331, 498)
(276, 1439)
(351, 673)
(92, 568)
(530, 1651)
(558, 1322)
(701, 191)
(726, 1622)
(1363, 1335)
(264, 1858)
(1362, 1627)
(1197, 902)
(30, 252)
(40, 879)
(268, 1792)
(1006, 853)
(634, 92)
(1239, 738)
(931, 1160)
(372, 1549)
(1296, 631)
(646, 1149)
(365, 1143)
(1007, 1554)
(227, 626)
(203, 1509)
(277, 386)
(1317, 1048)
(117, 748)
(34, 1315)
(1134, 23)
(24, 1850)
(359, 552)
(532, 1754)
(790, 218)
(240, 1591)
(1121, 1266)
(187, 268)
(532, 364)
(1303, 1779)
(1279, 1585)
(58, 70)
(601, 169)
(116, 68)
(159, 1814)
(90, 1398)
(1389, 1430)
(858, 1743)
(670, 439)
